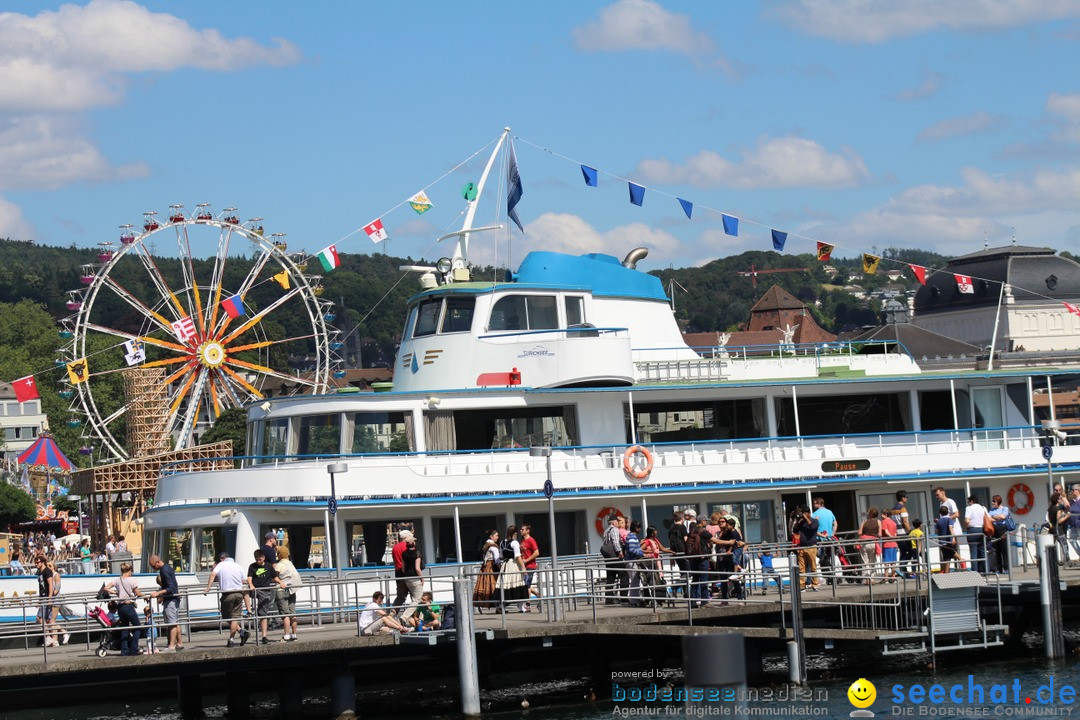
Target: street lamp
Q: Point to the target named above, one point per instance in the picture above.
(1052, 431)
(331, 510)
(549, 492)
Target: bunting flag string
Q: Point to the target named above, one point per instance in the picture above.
(376, 231)
(964, 284)
(589, 175)
(731, 225)
(778, 240)
(870, 264)
(824, 251)
(25, 389)
(687, 207)
(1069, 307)
(637, 194)
(920, 273)
(328, 256)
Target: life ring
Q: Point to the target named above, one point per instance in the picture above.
(635, 469)
(1029, 499)
(603, 515)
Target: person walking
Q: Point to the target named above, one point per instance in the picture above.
(231, 579)
(412, 573)
(261, 578)
(86, 556)
(511, 585)
(269, 547)
(530, 550)
(611, 550)
(827, 527)
(634, 555)
(677, 542)
(890, 549)
(1074, 523)
(484, 591)
(954, 521)
(1057, 515)
(869, 538)
(806, 528)
(168, 597)
(46, 591)
(1000, 515)
(399, 574)
(286, 596)
(908, 558)
(975, 519)
(127, 591)
(653, 576)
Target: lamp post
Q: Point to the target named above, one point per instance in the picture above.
(549, 492)
(78, 506)
(331, 512)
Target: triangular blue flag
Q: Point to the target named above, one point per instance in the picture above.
(778, 240)
(687, 207)
(637, 194)
(590, 175)
(513, 188)
(731, 224)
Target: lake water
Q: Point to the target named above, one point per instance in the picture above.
(1006, 683)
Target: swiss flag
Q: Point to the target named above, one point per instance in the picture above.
(964, 284)
(25, 389)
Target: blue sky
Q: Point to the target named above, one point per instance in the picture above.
(863, 123)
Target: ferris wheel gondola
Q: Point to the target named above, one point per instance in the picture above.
(219, 330)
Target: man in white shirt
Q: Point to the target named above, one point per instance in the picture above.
(373, 619)
(954, 519)
(973, 518)
(231, 579)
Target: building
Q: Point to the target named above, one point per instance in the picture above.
(20, 423)
(1021, 290)
(776, 314)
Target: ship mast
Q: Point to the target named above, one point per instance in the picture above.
(461, 249)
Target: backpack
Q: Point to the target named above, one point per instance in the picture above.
(449, 618)
(608, 548)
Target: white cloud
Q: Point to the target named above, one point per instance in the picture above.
(874, 21)
(977, 122)
(76, 57)
(12, 223)
(956, 219)
(1068, 108)
(773, 163)
(567, 233)
(44, 152)
(931, 84)
(641, 25)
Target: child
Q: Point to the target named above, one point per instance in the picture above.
(917, 536)
(946, 540)
(428, 615)
(766, 557)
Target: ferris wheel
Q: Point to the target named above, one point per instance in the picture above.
(221, 309)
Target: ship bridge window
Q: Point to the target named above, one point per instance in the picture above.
(575, 310)
(375, 432)
(319, 435)
(502, 428)
(427, 317)
(844, 414)
(459, 314)
(525, 312)
(273, 438)
(697, 421)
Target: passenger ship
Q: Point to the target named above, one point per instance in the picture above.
(581, 357)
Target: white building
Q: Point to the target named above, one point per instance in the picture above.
(1030, 313)
(20, 423)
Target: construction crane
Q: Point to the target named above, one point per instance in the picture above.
(753, 272)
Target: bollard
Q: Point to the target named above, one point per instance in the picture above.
(796, 662)
(701, 670)
(1050, 597)
(342, 692)
(468, 675)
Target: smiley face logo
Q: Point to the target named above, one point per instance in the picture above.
(862, 693)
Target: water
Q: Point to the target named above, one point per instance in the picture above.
(571, 699)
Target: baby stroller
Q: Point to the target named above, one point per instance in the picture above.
(110, 636)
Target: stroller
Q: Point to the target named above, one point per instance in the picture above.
(110, 636)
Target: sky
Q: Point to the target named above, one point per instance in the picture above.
(866, 124)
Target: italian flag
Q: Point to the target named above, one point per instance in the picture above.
(329, 258)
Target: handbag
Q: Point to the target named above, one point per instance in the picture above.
(988, 525)
(1008, 523)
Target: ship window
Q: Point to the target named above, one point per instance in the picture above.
(374, 432)
(525, 312)
(696, 421)
(459, 314)
(427, 318)
(275, 438)
(511, 428)
(177, 551)
(320, 435)
(575, 310)
(845, 414)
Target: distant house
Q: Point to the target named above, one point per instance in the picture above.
(893, 275)
(776, 311)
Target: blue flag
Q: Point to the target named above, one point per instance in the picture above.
(637, 194)
(731, 224)
(513, 188)
(687, 207)
(778, 240)
(589, 174)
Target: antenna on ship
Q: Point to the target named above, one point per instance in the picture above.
(672, 284)
(461, 250)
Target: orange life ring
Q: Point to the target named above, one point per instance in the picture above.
(1029, 499)
(602, 516)
(633, 469)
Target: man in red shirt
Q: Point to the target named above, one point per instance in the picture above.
(399, 568)
(529, 552)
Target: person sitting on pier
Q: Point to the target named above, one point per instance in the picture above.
(374, 619)
(428, 615)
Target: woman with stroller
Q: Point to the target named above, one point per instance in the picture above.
(127, 591)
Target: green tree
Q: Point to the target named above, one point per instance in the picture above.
(231, 425)
(16, 505)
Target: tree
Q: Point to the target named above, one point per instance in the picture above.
(16, 505)
(230, 425)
